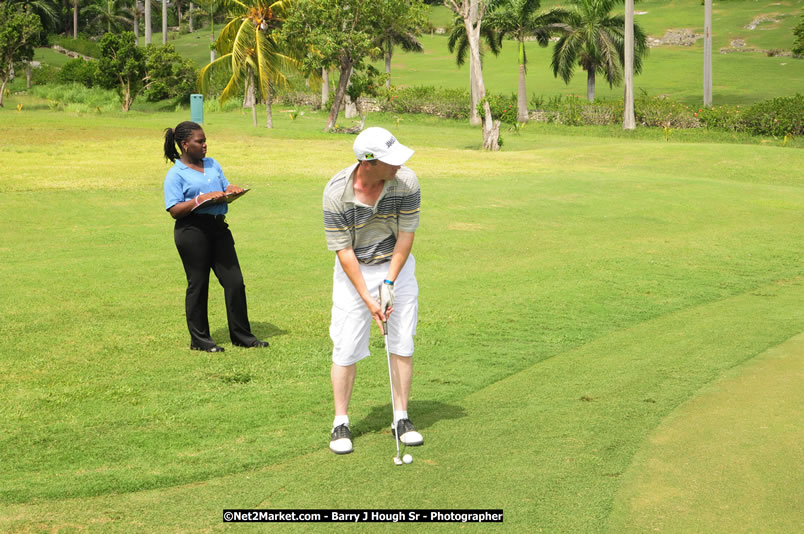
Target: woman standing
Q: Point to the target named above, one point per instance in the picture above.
(194, 188)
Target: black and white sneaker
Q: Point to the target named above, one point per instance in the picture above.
(341, 442)
(407, 433)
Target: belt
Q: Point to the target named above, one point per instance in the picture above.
(208, 216)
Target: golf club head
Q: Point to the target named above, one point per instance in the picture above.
(397, 460)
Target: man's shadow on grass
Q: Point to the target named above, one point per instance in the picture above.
(262, 330)
(423, 413)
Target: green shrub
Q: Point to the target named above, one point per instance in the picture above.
(447, 103)
(170, 75)
(78, 71)
(503, 108)
(777, 117)
(566, 110)
(76, 97)
(727, 118)
(798, 44)
(213, 104)
(45, 74)
(663, 112)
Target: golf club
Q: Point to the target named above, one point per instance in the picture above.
(397, 459)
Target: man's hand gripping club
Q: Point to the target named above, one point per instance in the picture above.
(386, 302)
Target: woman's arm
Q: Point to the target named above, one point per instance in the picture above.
(183, 209)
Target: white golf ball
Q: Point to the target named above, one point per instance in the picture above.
(407, 458)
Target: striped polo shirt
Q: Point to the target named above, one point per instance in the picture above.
(370, 230)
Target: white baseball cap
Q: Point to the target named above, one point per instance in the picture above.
(379, 143)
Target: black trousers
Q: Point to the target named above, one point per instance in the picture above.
(204, 242)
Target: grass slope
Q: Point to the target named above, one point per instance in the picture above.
(707, 467)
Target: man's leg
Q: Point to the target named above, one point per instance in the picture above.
(343, 380)
(402, 371)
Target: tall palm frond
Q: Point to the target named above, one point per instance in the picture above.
(45, 9)
(458, 42)
(248, 48)
(595, 40)
(108, 12)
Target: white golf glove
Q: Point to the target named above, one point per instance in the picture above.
(386, 295)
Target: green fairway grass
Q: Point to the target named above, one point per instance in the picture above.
(575, 291)
(705, 468)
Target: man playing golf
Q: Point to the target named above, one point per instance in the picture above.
(371, 211)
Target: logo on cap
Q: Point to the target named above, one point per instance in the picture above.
(390, 142)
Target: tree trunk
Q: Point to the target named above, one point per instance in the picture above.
(75, 19)
(212, 39)
(137, 22)
(477, 88)
(522, 93)
(491, 135)
(148, 29)
(340, 91)
(708, 53)
(269, 117)
(249, 96)
(3, 91)
(362, 114)
(388, 52)
(590, 85)
(127, 100)
(164, 21)
(629, 122)
(28, 74)
(350, 108)
(491, 128)
(324, 87)
(190, 22)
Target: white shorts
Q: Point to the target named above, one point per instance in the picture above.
(351, 319)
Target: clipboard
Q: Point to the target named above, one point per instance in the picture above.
(228, 198)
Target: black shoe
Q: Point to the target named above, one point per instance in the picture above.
(256, 344)
(341, 441)
(407, 433)
(213, 348)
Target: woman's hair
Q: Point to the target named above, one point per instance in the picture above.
(174, 136)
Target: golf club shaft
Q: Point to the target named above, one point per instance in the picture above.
(391, 380)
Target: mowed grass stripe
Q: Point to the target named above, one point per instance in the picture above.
(522, 256)
(726, 460)
(549, 444)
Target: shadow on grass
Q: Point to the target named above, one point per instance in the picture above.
(260, 329)
(422, 413)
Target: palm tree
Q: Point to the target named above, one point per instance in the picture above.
(108, 12)
(147, 15)
(518, 19)
(45, 9)
(594, 39)
(629, 121)
(75, 19)
(210, 8)
(164, 21)
(458, 43)
(708, 53)
(252, 53)
(134, 12)
(403, 21)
